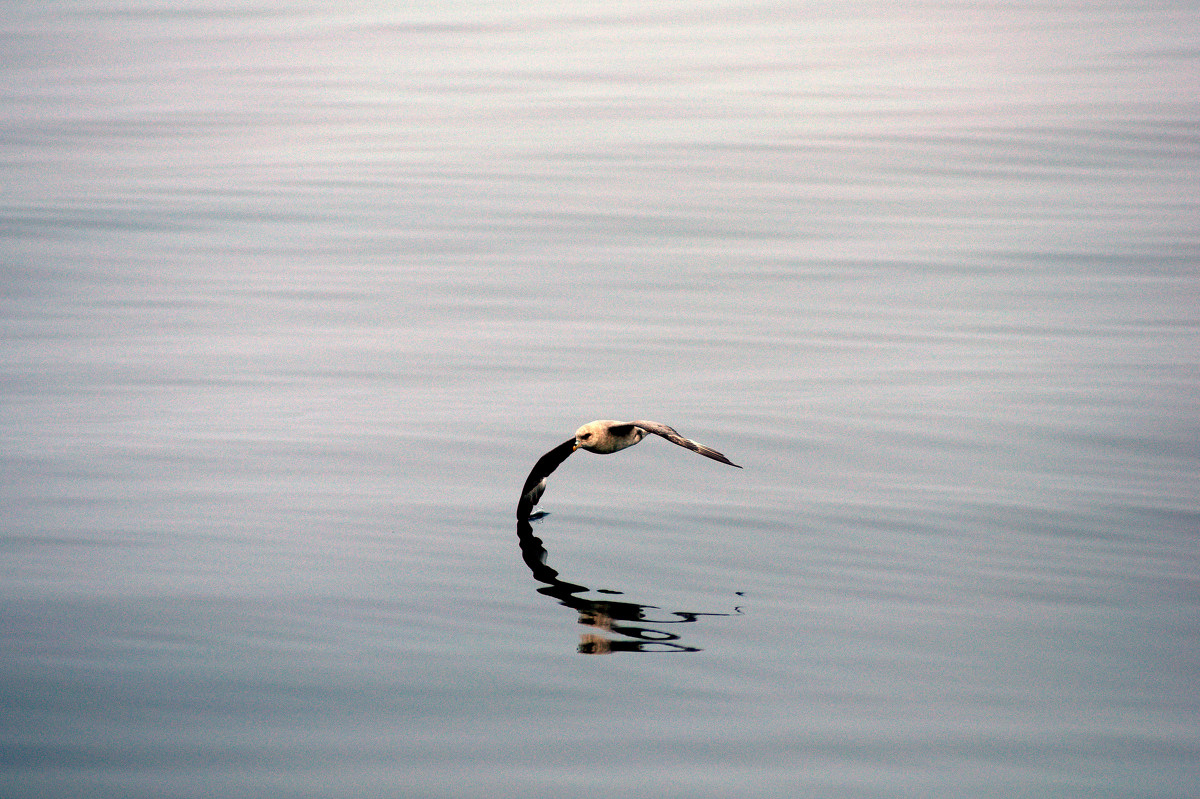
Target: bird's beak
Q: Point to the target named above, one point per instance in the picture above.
(576, 447)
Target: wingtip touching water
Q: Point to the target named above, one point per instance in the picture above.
(603, 437)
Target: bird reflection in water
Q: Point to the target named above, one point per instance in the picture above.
(607, 616)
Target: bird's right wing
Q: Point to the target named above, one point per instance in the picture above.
(535, 484)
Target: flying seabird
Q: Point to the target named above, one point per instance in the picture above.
(603, 436)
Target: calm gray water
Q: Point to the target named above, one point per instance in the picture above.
(293, 298)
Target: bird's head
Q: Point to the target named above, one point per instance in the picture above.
(587, 436)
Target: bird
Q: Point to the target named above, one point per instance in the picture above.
(604, 437)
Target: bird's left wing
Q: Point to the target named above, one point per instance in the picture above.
(535, 484)
(670, 434)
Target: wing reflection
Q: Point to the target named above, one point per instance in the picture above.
(606, 616)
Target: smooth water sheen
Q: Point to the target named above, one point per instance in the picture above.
(295, 294)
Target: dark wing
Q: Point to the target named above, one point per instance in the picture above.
(622, 430)
(669, 434)
(535, 484)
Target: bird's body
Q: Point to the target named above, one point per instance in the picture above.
(604, 437)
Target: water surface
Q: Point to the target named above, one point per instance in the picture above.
(294, 298)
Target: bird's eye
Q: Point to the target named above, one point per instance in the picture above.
(586, 436)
